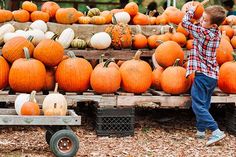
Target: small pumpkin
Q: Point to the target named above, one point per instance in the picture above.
(93, 12)
(108, 16)
(199, 10)
(121, 17)
(78, 43)
(54, 104)
(105, 79)
(140, 19)
(21, 15)
(66, 37)
(98, 20)
(39, 15)
(6, 15)
(139, 40)
(29, 6)
(20, 100)
(224, 52)
(67, 15)
(97, 43)
(84, 20)
(50, 8)
(131, 8)
(30, 107)
(156, 75)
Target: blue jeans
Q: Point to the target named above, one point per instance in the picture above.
(201, 92)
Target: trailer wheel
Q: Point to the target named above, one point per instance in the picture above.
(64, 143)
(48, 136)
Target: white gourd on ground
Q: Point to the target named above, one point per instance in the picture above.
(37, 34)
(66, 37)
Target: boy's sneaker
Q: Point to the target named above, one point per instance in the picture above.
(200, 135)
(215, 138)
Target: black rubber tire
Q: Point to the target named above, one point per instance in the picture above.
(48, 136)
(66, 137)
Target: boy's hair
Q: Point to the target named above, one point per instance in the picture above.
(217, 14)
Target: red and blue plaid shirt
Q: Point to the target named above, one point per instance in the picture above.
(202, 57)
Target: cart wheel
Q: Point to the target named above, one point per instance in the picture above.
(64, 143)
(48, 136)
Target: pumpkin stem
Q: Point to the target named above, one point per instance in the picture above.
(234, 56)
(56, 88)
(176, 62)
(114, 18)
(108, 62)
(101, 59)
(54, 36)
(32, 96)
(88, 7)
(137, 55)
(30, 38)
(71, 54)
(26, 52)
(55, 105)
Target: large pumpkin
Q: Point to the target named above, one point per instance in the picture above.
(121, 35)
(49, 52)
(105, 79)
(136, 75)
(30, 107)
(224, 52)
(173, 80)
(4, 72)
(27, 74)
(54, 104)
(227, 77)
(73, 74)
(13, 49)
(167, 52)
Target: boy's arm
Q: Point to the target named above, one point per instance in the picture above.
(189, 26)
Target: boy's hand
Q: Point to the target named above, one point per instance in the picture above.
(191, 6)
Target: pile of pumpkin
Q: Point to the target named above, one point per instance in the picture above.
(54, 104)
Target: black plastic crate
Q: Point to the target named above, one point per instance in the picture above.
(115, 121)
(230, 119)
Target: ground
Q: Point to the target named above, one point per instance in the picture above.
(157, 133)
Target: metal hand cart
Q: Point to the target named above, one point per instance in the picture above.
(61, 139)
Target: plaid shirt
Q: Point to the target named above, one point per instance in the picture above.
(202, 57)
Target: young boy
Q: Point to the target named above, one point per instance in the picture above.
(202, 61)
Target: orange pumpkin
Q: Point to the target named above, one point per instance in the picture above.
(180, 38)
(189, 44)
(162, 19)
(233, 41)
(105, 79)
(174, 15)
(5, 15)
(50, 8)
(155, 40)
(81, 70)
(168, 52)
(66, 15)
(229, 30)
(21, 15)
(13, 49)
(181, 29)
(4, 72)
(49, 52)
(199, 10)
(227, 77)
(84, 20)
(173, 80)
(29, 6)
(98, 20)
(27, 74)
(136, 75)
(108, 16)
(156, 77)
(140, 19)
(224, 52)
(131, 8)
(139, 40)
(30, 108)
(49, 83)
(39, 15)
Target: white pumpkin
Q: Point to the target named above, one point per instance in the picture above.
(39, 24)
(101, 40)
(20, 100)
(6, 28)
(9, 36)
(54, 104)
(37, 34)
(21, 33)
(66, 37)
(49, 34)
(121, 17)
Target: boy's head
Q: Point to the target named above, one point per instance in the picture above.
(213, 16)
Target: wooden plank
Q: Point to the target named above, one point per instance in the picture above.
(12, 119)
(160, 101)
